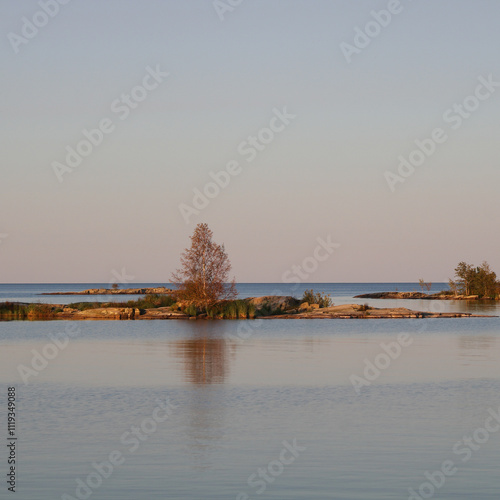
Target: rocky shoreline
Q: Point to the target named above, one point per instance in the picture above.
(282, 307)
(110, 291)
(415, 296)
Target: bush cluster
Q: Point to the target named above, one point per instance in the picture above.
(322, 299)
(231, 309)
(9, 310)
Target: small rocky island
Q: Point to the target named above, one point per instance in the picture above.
(205, 290)
(116, 291)
(416, 296)
(166, 307)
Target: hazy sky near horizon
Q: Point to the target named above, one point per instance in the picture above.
(322, 175)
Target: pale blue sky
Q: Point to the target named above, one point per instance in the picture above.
(322, 176)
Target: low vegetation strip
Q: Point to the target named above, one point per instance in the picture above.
(22, 311)
(317, 306)
(117, 291)
(407, 295)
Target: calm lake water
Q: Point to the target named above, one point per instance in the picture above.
(270, 409)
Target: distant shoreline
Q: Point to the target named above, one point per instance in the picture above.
(418, 296)
(162, 290)
(117, 291)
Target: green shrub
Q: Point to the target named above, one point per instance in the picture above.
(9, 310)
(322, 299)
(241, 309)
(152, 301)
(13, 311)
(40, 311)
(191, 310)
(223, 310)
(251, 311)
(231, 309)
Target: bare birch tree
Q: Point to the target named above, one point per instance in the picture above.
(203, 278)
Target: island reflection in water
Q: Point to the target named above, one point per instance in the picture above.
(238, 400)
(205, 356)
(205, 360)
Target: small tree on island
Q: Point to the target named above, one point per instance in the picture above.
(424, 285)
(203, 278)
(453, 287)
(480, 281)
